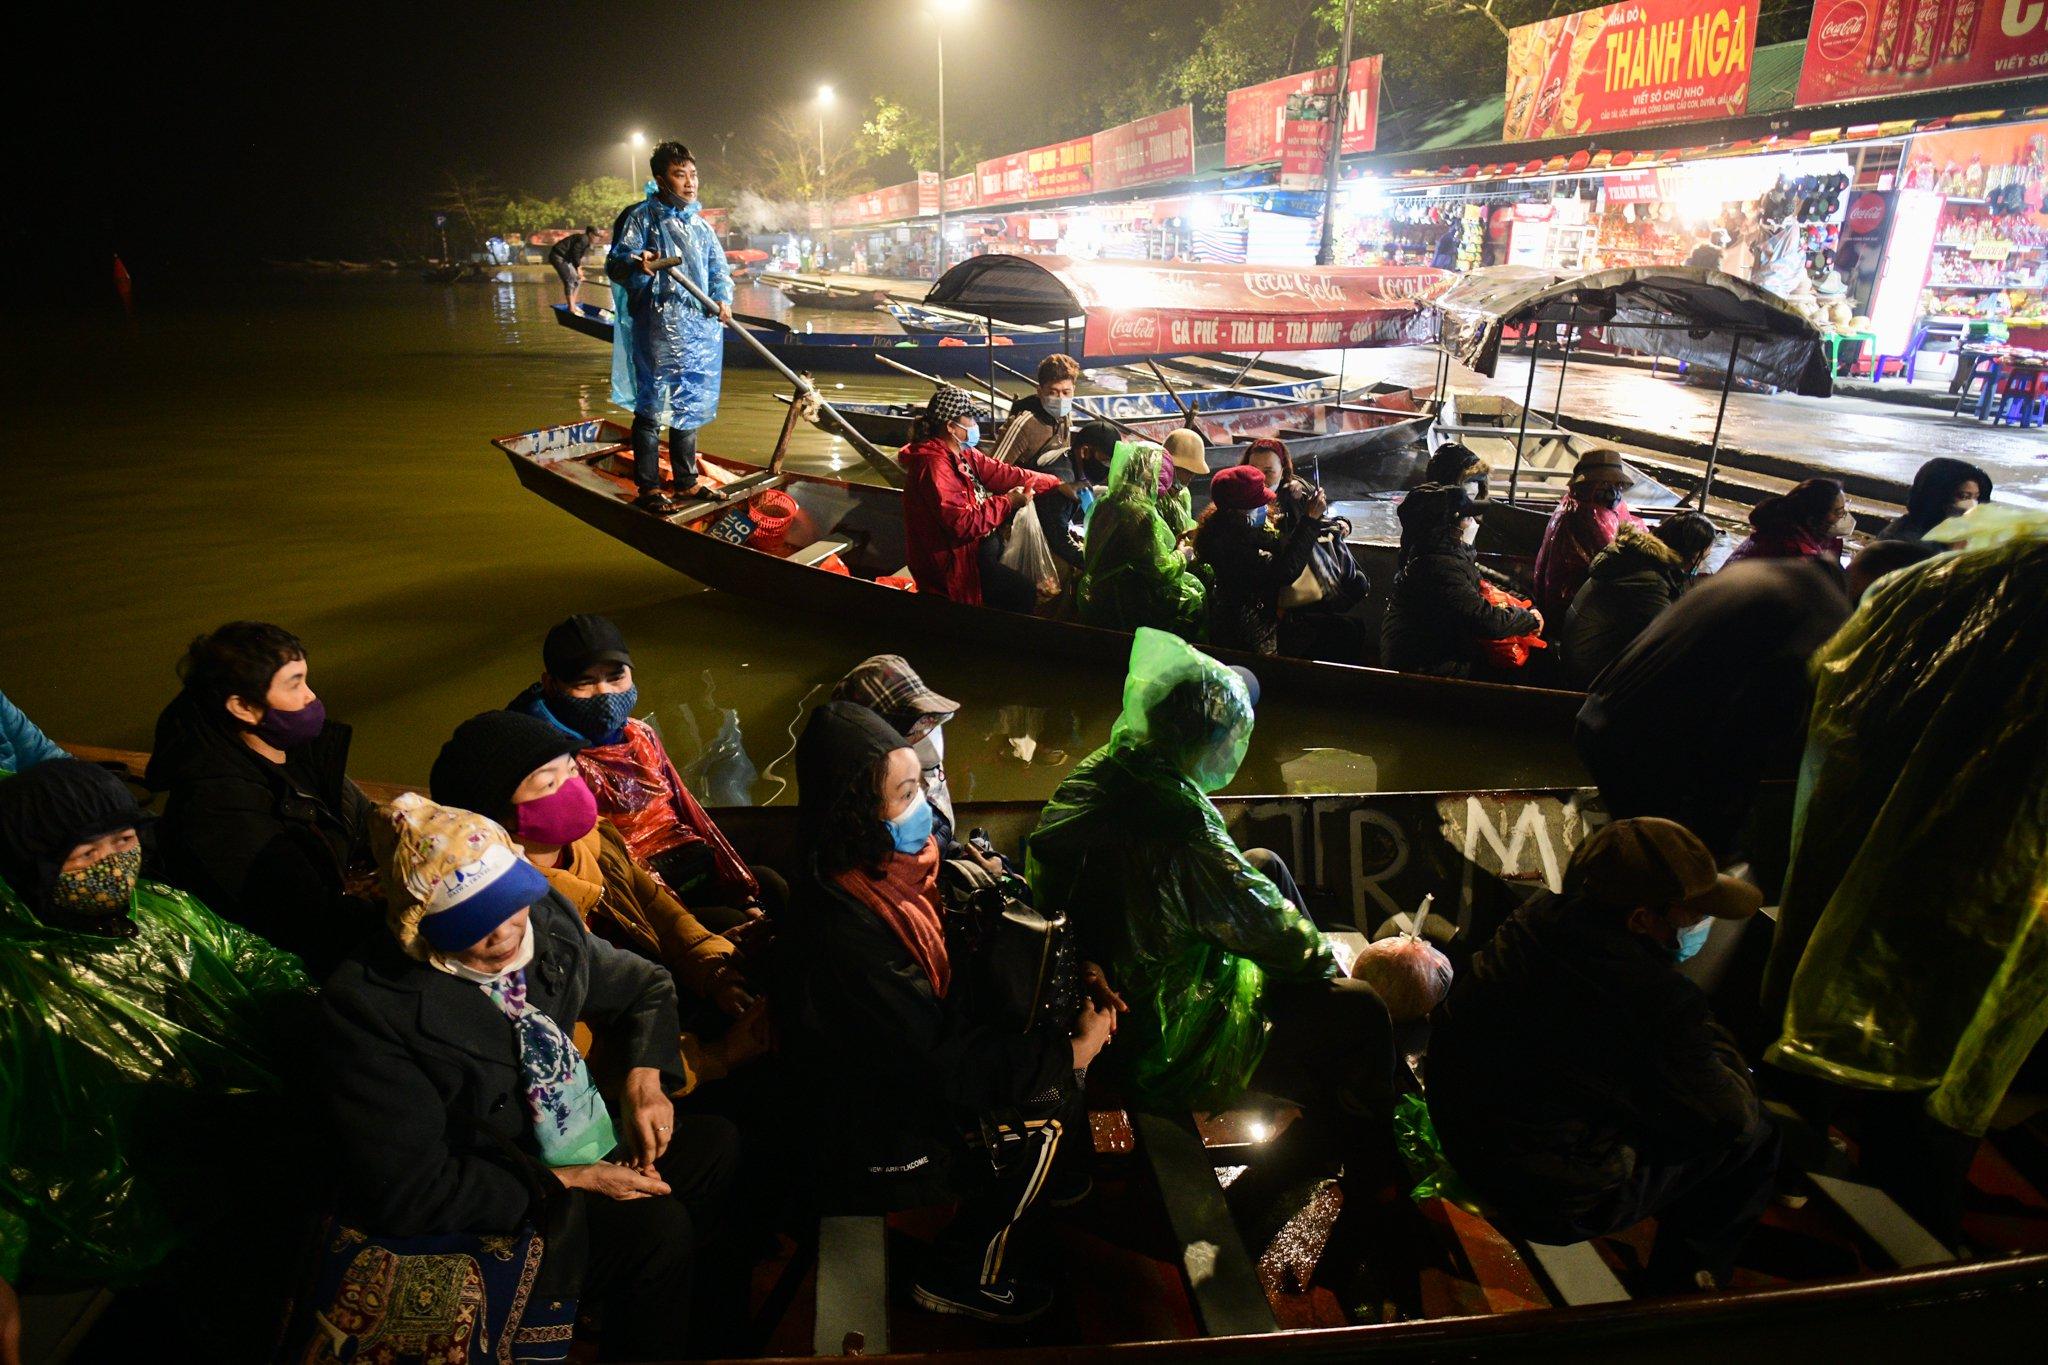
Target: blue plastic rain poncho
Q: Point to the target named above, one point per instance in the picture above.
(132, 1071)
(1912, 945)
(667, 352)
(1133, 851)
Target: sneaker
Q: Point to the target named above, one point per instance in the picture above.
(655, 501)
(942, 1288)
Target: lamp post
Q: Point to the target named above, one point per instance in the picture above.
(634, 144)
(938, 10)
(824, 103)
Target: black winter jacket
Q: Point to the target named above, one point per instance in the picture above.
(267, 845)
(1436, 617)
(1252, 566)
(1570, 1052)
(424, 1088)
(895, 1076)
(1627, 586)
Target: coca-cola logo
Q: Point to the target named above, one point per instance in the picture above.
(1866, 215)
(1839, 32)
(1278, 284)
(1133, 329)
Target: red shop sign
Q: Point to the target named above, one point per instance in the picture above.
(1859, 49)
(1630, 65)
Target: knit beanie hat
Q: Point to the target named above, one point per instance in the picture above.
(489, 755)
(451, 877)
(50, 810)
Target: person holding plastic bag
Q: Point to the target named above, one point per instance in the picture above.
(1211, 945)
(1911, 957)
(955, 500)
(1438, 619)
(668, 353)
(1135, 573)
(1251, 562)
(144, 1043)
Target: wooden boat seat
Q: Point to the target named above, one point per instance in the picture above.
(1222, 1280)
(817, 550)
(852, 1287)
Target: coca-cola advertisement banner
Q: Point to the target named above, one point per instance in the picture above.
(1630, 65)
(1147, 150)
(1255, 115)
(1859, 49)
(1206, 308)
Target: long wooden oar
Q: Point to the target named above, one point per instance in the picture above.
(878, 461)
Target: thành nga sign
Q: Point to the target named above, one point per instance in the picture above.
(1630, 65)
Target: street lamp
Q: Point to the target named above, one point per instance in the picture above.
(938, 10)
(634, 143)
(824, 103)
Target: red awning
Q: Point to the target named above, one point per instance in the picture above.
(1158, 307)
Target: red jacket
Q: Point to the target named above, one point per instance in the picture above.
(953, 500)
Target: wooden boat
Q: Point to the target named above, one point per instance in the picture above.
(583, 468)
(805, 293)
(1208, 1235)
(916, 317)
(889, 424)
(855, 352)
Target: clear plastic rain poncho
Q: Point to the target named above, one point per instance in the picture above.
(1131, 848)
(667, 352)
(129, 1068)
(1912, 945)
(1133, 572)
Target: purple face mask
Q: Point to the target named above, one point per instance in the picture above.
(561, 817)
(289, 729)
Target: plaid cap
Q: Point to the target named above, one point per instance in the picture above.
(888, 686)
(949, 405)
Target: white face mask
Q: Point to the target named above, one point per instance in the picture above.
(447, 962)
(1844, 525)
(931, 762)
(1468, 530)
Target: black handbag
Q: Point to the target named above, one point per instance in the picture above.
(1332, 580)
(1013, 964)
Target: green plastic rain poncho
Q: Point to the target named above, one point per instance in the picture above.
(129, 1068)
(1912, 946)
(1133, 573)
(1133, 851)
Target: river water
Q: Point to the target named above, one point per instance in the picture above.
(314, 449)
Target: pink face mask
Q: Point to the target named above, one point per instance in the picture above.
(563, 816)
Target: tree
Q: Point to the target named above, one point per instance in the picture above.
(597, 202)
(525, 213)
(893, 132)
(473, 200)
(784, 165)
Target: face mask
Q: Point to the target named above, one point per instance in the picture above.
(1844, 525)
(1604, 495)
(1059, 409)
(449, 964)
(1468, 530)
(931, 762)
(1258, 516)
(973, 436)
(598, 716)
(912, 830)
(1691, 940)
(289, 729)
(1961, 506)
(104, 891)
(561, 817)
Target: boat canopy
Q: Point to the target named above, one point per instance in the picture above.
(1701, 317)
(1190, 308)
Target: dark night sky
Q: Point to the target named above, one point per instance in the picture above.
(291, 122)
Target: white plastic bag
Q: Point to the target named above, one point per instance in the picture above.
(1025, 552)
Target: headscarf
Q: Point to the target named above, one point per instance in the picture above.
(50, 810)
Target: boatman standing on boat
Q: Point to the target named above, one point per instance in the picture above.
(667, 352)
(566, 256)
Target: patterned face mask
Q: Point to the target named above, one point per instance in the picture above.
(103, 891)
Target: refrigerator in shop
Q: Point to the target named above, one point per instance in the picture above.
(1895, 306)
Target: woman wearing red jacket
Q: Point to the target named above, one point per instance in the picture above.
(955, 498)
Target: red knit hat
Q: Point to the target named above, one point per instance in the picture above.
(1240, 488)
